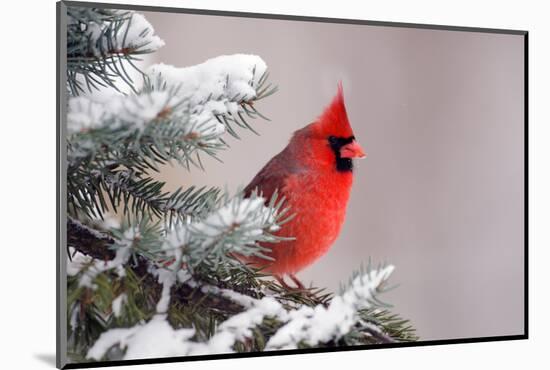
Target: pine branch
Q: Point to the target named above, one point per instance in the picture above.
(132, 193)
(113, 146)
(89, 241)
(391, 325)
(119, 135)
(99, 245)
(205, 304)
(102, 44)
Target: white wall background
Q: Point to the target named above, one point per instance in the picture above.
(28, 273)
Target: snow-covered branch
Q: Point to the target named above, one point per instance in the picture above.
(179, 115)
(314, 325)
(88, 241)
(303, 326)
(235, 228)
(88, 268)
(199, 99)
(102, 44)
(218, 89)
(111, 112)
(130, 33)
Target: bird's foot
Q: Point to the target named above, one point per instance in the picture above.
(299, 285)
(282, 282)
(297, 282)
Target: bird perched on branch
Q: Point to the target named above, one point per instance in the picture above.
(314, 173)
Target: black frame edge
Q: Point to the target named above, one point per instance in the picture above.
(225, 13)
(163, 360)
(58, 363)
(61, 250)
(526, 184)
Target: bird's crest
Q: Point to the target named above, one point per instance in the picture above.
(334, 119)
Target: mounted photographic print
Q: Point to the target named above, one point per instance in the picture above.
(237, 184)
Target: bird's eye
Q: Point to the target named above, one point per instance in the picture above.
(332, 139)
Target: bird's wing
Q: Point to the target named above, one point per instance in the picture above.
(269, 179)
(273, 176)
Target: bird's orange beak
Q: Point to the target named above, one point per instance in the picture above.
(352, 150)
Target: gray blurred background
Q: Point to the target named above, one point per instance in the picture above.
(440, 114)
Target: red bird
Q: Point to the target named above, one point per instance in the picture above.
(314, 173)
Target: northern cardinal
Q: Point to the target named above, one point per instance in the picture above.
(314, 173)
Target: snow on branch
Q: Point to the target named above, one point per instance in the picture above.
(85, 114)
(138, 35)
(168, 277)
(117, 304)
(201, 92)
(157, 338)
(186, 109)
(221, 82)
(320, 324)
(221, 89)
(305, 325)
(88, 268)
(96, 111)
(153, 339)
(102, 44)
(128, 33)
